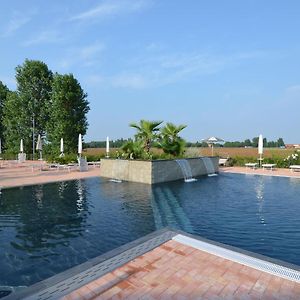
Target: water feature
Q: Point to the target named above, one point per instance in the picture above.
(209, 166)
(186, 170)
(118, 169)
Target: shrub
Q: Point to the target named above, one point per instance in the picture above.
(68, 158)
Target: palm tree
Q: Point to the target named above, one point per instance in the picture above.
(170, 142)
(133, 149)
(146, 132)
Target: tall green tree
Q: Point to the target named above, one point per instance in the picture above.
(67, 112)
(146, 132)
(12, 118)
(280, 142)
(27, 109)
(3, 95)
(255, 142)
(170, 141)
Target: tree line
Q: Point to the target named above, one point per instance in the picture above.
(247, 143)
(102, 144)
(50, 104)
(254, 143)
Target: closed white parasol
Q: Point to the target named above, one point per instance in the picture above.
(21, 146)
(39, 146)
(61, 148)
(260, 148)
(79, 144)
(107, 146)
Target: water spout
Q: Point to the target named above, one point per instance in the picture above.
(209, 166)
(186, 170)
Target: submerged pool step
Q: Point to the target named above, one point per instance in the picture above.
(247, 260)
(168, 212)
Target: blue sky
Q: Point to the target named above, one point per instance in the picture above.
(224, 68)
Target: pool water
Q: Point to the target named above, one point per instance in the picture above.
(46, 229)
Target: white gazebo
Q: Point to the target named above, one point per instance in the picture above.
(211, 141)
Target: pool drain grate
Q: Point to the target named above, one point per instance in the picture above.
(241, 258)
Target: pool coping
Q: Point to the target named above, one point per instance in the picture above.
(67, 281)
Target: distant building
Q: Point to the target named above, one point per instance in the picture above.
(292, 146)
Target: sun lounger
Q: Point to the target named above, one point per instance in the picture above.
(38, 167)
(268, 166)
(56, 167)
(295, 168)
(251, 165)
(223, 161)
(94, 163)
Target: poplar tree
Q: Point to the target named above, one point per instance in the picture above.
(67, 113)
(3, 95)
(26, 114)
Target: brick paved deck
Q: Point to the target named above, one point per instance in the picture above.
(177, 271)
(259, 171)
(12, 175)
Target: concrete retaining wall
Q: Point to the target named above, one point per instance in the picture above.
(153, 171)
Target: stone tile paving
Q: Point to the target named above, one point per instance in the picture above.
(259, 171)
(14, 174)
(177, 271)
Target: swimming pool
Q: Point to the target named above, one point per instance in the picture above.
(46, 229)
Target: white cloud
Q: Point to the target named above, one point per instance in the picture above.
(90, 51)
(111, 8)
(127, 80)
(85, 56)
(291, 95)
(94, 80)
(294, 89)
(154, 47)
(123, 80)
(159, 69)
(44, 37)
(17, 21)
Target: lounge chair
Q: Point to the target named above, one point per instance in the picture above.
(251, 165)
(295, 168)
(94, 163)
(223, 161)
(268, 166)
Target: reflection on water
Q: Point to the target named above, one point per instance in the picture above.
(259, 189)
(42, 220)
(46, 229)
(39, 195)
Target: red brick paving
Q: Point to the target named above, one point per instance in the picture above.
(12, 175)
(176, 271)
(260, 171)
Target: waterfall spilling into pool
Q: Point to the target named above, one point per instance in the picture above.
(118, 170)
(209, 166)
(186, 170)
